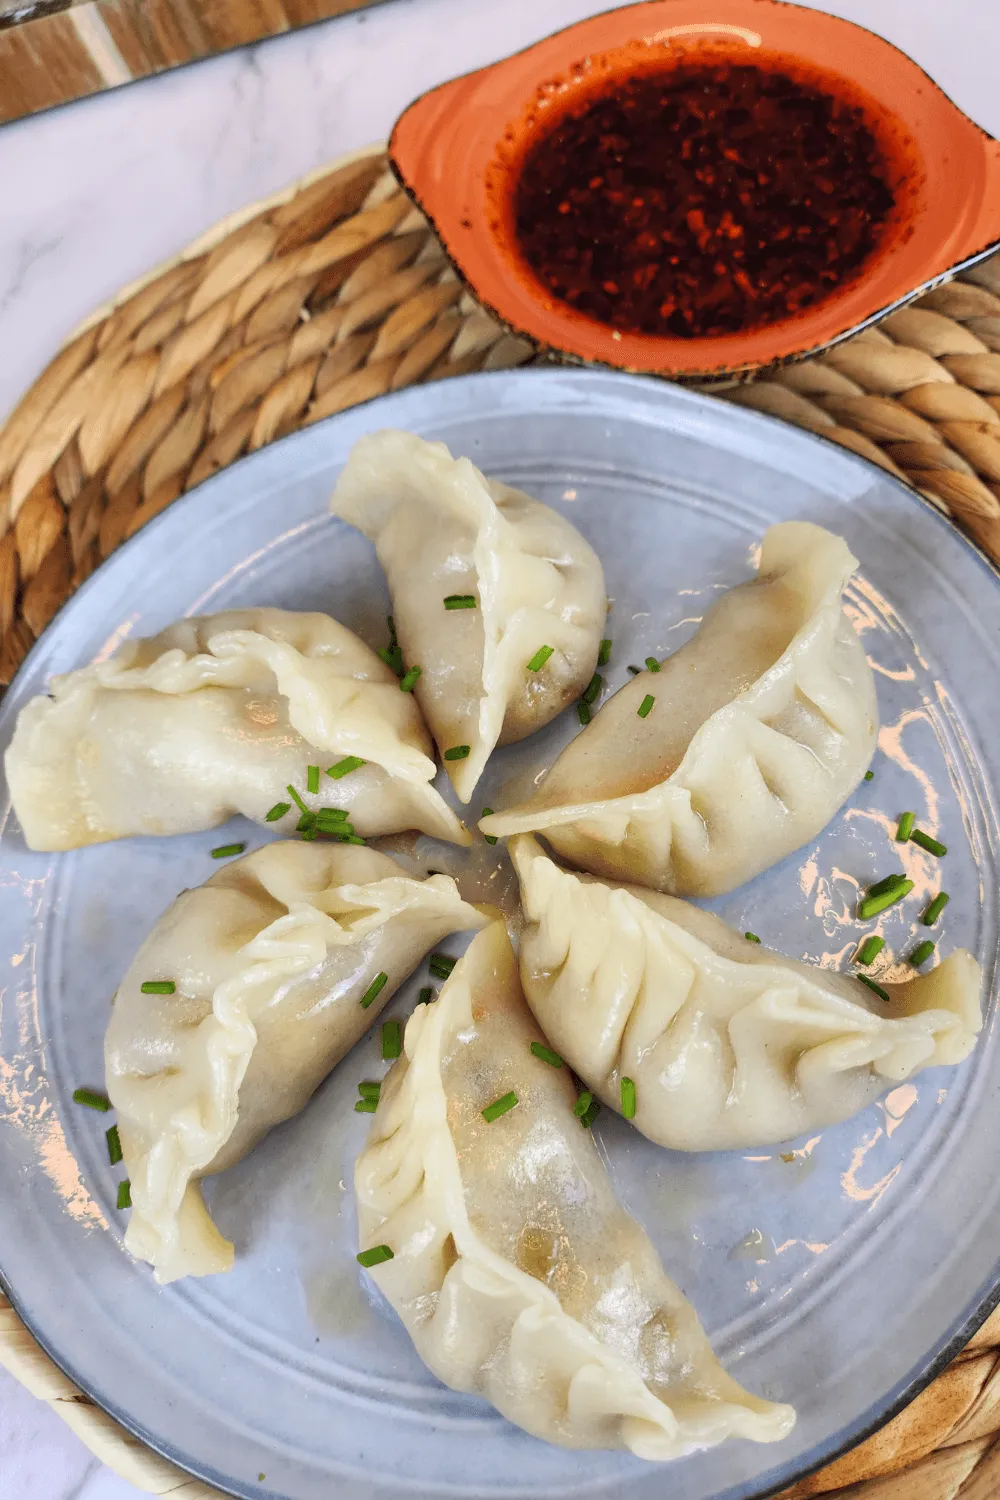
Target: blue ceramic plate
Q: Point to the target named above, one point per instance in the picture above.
(833, 1272)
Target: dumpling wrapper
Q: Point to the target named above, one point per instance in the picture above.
(728, 1044)
(441, 528)
(517, 1274)
(216, 716)
(762, 726)
(270, 959)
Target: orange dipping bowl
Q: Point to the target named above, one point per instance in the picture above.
(460, 149)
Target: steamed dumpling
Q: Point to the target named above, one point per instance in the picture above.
(761, 727)
(270, 959)
(217, 716)
(440, 528)
(516, 1273)
(727, 1044)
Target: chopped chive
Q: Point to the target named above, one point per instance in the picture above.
(890, 883)
(546, 1054)
(935, 909)
(926, 842)
(332, 814)
(375, 989)
(634, 670)
(158, 987)
(872, 905)
(592, 689)
(365, 1106)
(583, 1103)
(628, 1099)
(277, 811)
(583, 713)
(115, 1152)
(490, 838)
(879, 991)
(226, 851)
(539, 659)
(308, 834)
(338, 826)
(410, 680)
(426, 995)
(312, 779)
(458, 752)
(375, 1256)
(869, 950)
(921, 953)
(459, 601)
(125, 1194)
(905, 827)
(499, 1107)
(296, 798)
(590, 1114)
(751, 937)
(441, 965)
(92, 1099)
(869, 775)
(645, 706)
(652, 665)
(393, 658)
(392, 1040)
(345, 767)
(369, 1088)
(307, 823)
(604, 655)
(392, 629)
(347, 838)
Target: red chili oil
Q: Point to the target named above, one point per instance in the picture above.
(701, 200)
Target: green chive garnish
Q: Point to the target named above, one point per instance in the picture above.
(592, 689)
(312, 779)
(751, 937)
(499, 1107)
(490, 838)
(872, 905)
(879, 991)
(392, 1040)
(336, 817)
(308, 834)
(115, 1153)
(375, 1256)
(539, 659)
(583, 714)
(410, 680)
(590, 1114)
(546, 1054)
(393, 658)
(926, 842)
(307, 823)
(460, 601)
(869, 775)
(604, 655)
(652, 665)
(935, 909)
(349, 838)
(373, 991)
(277, 811)
(296, 798)
(441, 965)
(921, 953)
(905, 827)
(92, 1099)
(583, 1103)
(369, 1088)
(890, 883)
(645, 706)
(158, 987)
(125, 1194)
(458, 752)
(365, 1106)
(634, 670)
(628, 1099)
(869, 950)
(226, 851)
(344, 767)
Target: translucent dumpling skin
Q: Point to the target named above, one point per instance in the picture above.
(728, 1044)
(517, 1274)
(761, 727)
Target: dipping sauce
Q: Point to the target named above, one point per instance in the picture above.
(701, 200)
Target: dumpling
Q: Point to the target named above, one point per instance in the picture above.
(517, 1274)
(216, 716)
(280, 964)
(445, 533)
(727, 1044)
(759, 728)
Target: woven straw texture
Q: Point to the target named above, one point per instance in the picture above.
(336, 291)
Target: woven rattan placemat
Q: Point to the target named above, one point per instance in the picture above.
(336, 291)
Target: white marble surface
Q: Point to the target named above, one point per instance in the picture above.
(97, 192)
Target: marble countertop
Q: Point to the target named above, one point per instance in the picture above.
(97, 192)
